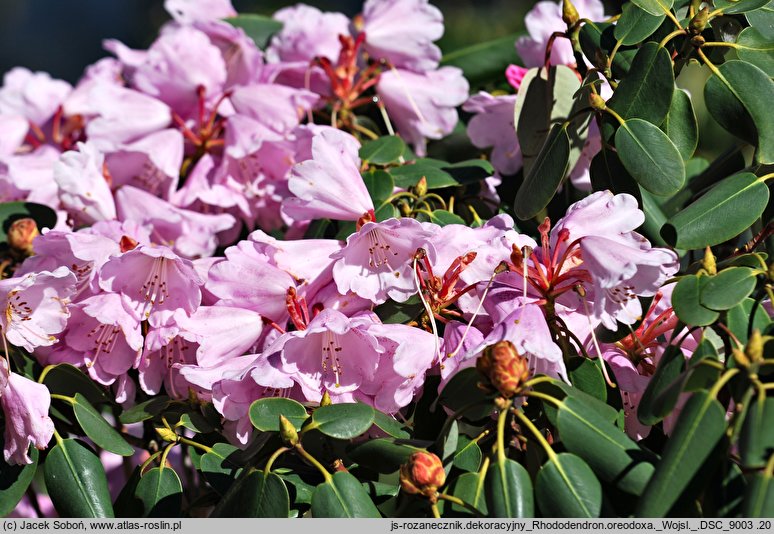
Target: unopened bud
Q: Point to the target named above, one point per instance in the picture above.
(421, 187)
(288, 432)
(21, 234)
(422, 474)
(740, 358)
(596, 102)
(167, 434)
(709, 262)
(326, 400)
(505, 368)
(569, 14)
(697, 41)
(699, 21)
(754, 348)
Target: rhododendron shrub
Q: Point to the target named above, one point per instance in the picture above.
(247, 272)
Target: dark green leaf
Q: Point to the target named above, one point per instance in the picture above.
(219, 468)
(383, 455)
(740, 319)
(508, 489)
(387, 211)
(383, 151)
(762, 19)
(160, 492)
(655, 7)
(730, 7)
(611, 454)
(607, 172)
(686, 301)
(469, 171)
(446, 444)
(547, 173)
(759, 498)
(65, 379)
(756, 442)
(586, 375)
(303, 490)
(145, 410)
(99, 430)
(258, 27)
(14, 480)
(484, 62)
(699, 427)
(636, 24)
(597, 41)
(195, 422)
(126, 504)
(566, 487)
(650, 157)
(379, 184)
(738, 97)
(76, 481)
(343, 421)
(407, 176)
(388, 424)
(255, 495)
(754, 47)
(11, 212)
(560, 390)
(724, 212)
(264, 413)
(399, 312)
(443, 217)
(728, 288)
(342, 496)
(468, 456)
(463, 390)
(664, 388)
(681, 125)
(465, 488)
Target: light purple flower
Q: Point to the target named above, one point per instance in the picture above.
(151, 163)
(33, 95)
(276, 107)
(403, 31)
(423, 106)
(307, 33)
(83, 187)
(493, 126)
(190, 11)
(221, 332)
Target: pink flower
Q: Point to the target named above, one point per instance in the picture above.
(329, 185)
(35, 307)
(493, 126)
(277, 108)
(376, 262)
(403, 31)
(33, 95)
(83, 188)
(515, 74)
(189, 11)
(221, 332)
(25, 404)
(423, 106)
(151, 163)
(307, 33)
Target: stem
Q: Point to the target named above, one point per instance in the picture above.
(481, 477)
(163, 461)
(194, 444)
(543, 443)
(671, 36)
(615, 115)
(719, 43)
(709, 63)
(312, 460)
(533, 382)
(544, 397)
(365, 131)
(613, 52)
(68, 400)
(671, 15)
(436, 513)
(728, 375)
(460, 502)
(501, 431)
(58, 438)
(147, 462)
(273, 457)
(769, 469)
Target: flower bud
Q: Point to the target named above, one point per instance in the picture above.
(569, 14)
(326, 400)
(505, 368)
(288, 432)
(167, 434)
(699, 21)
(21, 234)
(422, 474)
(709, 262)
(597, 102)
(754, 348)
(421, 187)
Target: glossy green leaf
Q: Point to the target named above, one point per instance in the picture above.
(379, 184)
(145, 410)
(508, 490)
(756, 48)
(463, 390)
(663, 390)
(566, 487)
(383, 151)
(468, 455)
(258, 27)
(443, 217)
(343, 421)
(728, 288)
(409, 175)
(611, 454)
(762, 19)
(699, 427)
(597, 41)
(741, 318)
(731, 7)
(383, 455)
(654, 7)
(15, 479)
(76, 481)
(160, 492)
(586, 375)
(219, 468)
(392, 312)
(636, 24)
(10, 212)
(559, 390)
(445, 447)
(469, 171)
(255, 495)
(759, 498)
(756, 442)
(195, 422)
(650, 157)
(127, 504)
(65, 379)
(465, 487)
(387, 211)
(264, 413)
(738, 98)
(607, 172)
(547, 174)
(99, 430)
(686, 301)
(390, 425)
(681, 125)
(303, 491)
(724, 212)
(483, 62)
(342, 496)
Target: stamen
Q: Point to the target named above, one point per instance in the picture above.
(582, 293)
(430, 315)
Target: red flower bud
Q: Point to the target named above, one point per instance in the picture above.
(505, 368)
(21, 234)
(422, 474)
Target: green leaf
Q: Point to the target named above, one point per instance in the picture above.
(738, 97)
(342, 496)
(392, 312)
(468, 455)
(759, 498)
(636, 24)
(195, 422)
(407, 176)
(484, 62)
(303, 490)
(756, 442)
(508, 490)
(646, 93)
(343, 421)
(65, 379)
(724, 212)
(387, 211)
(650, 157)
(379, 184)
(597, 41)
(219, 468)
(383, 151)
(11, 212)
(390, 425)
(255, 495)
(145, 410)
(681, 125)
(443, 217)
(126, 504)
(741, 317)
(686, 301)
(586, 375)
(383, 455)
(465, 488)
(462, 390)
(607, 172)
(100, 431)
(14, 480)
(728, 288)
(731, 7)
(76, 481)
(160, 492)
(258, 27)
(699, 427)
(654, 7)
(754, 47)
(611, 454)
(469, 171)
(264, 413)
(762, 19)
(664, 388)
(561, 390)
(566, 487)
(547, 173)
